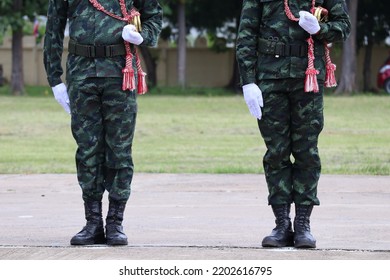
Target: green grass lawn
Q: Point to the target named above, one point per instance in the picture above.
(209, 132)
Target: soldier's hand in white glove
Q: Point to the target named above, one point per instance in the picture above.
(308, 22)
(61, 95)
(254, 99)
(130, 34)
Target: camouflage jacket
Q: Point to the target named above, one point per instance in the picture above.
(267, 19)
(89, 26)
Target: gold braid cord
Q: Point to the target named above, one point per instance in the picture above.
(134, 18)
(321, 14)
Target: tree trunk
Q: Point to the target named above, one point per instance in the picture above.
(151, 66)
(182, 45)
(1, 75)
(347, 83)
(234, 83)
(367, 66)
(17, 78)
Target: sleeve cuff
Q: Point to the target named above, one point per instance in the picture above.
(323, 30)
(54, 82)
(248, 78)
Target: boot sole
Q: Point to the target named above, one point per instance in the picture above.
(93, 242)
(270, 242)
(276, 245)
(96, 241)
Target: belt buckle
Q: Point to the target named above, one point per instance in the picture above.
(99, 51)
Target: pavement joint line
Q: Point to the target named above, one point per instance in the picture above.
(292, 249)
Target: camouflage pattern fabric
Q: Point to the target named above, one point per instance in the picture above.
(103, 124)
(89, 26)
(267, 19)
(292, 119)
(294, 133)
(103, 115)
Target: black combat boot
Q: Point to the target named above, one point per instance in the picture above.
(93, 232)
(114, 228)
(282, 235)
(302, 236)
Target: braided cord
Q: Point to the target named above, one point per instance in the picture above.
(128, 72)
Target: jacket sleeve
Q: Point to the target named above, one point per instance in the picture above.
(338, 26)
(151, 20)
(246, 45)
(54, 38)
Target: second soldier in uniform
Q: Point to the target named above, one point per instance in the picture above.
(284, 64)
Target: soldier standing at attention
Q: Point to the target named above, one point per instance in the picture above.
(284, 64)
(103, 77)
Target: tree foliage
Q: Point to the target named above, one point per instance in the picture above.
(373, 21)
(204, 15)
(10, 17)
(373, 28)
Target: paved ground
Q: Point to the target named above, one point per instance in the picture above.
(193, 217)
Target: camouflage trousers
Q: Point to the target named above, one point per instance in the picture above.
(103, 124)
(291, 123)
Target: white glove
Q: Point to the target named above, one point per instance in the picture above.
(130, 34)
(308, 22)
(254, 99)
(61, 95)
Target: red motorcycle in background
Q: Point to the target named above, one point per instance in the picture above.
(384, 76)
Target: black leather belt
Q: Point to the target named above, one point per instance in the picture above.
(96, 51)
(273, 47)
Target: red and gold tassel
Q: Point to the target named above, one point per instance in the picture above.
(128, 79)
(330, 77)
(128, 71)
(142, 85)
(311, 84)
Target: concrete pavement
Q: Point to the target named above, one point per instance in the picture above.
(193, 217)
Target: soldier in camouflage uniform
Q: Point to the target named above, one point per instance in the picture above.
(103, 114)
(272, 54)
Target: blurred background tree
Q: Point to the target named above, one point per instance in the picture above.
(218, 22)
(373, 28)
(13, 15)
